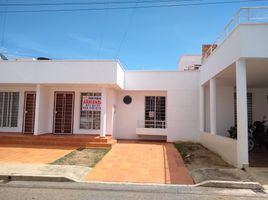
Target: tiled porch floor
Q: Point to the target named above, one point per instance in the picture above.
(141, 162)
(31, 154)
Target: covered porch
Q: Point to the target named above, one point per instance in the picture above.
(236, 96)
(62, 109)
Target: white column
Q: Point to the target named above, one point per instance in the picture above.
(212, 86)
(242, 113)
(202, 108)
(103, 112)
(37, 108)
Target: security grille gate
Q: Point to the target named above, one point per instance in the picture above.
(63, 112)
(29, 112)
(155, 112)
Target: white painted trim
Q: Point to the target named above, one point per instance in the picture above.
(202, 108)
(213, 106)
(242, 113)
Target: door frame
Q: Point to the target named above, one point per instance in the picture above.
(24, 110)
(54, 112)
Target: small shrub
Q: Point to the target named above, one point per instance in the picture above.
(181, 149)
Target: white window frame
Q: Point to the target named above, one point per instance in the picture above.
(6, 111)
(95, 119)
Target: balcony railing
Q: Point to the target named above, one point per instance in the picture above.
(250, 15)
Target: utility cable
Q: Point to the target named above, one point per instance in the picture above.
(131, 7)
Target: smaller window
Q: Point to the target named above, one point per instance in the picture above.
(127, 99)
(90, 118)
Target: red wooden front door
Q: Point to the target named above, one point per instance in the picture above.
(29, 112)
(63, 112)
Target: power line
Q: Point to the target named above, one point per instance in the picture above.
(92, 3)
(126, 32)
(131, 7)
(102, 34)
(4, 26)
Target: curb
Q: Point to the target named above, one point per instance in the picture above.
(126, 185)
(231, 184)
(130, 187)
(23, 177)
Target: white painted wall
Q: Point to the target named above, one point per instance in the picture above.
(44, 117)
(182, 99)
(120, 76)
(216, 62)
(223, 146)
(254, 40)
(21, 89)
(56, 71)
(187, 62)
(111, 106)
(78, 89)
(127, 116)
(42, 111)
(161, 80)
(260, 103)
(246, 41)
(207, 109)
(225, 107)
(183, 115)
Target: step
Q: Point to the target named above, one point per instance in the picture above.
(59, 143)
(56, 138)
(21, 141)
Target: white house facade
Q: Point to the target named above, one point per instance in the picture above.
(102, 98)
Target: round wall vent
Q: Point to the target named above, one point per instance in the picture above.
(127, 99)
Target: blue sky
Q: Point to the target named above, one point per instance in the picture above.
(140, 39)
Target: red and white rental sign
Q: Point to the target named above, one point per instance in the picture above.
(91, 103)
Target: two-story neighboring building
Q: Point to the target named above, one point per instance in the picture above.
(194, 103)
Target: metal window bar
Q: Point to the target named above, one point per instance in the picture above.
(155, 112)
(249, 106)
(9, 103)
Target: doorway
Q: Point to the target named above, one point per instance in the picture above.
(29, 112)
(63, 112)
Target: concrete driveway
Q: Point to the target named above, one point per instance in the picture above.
(31, 154)
(141, 162)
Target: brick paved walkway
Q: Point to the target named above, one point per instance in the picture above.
(141, 162)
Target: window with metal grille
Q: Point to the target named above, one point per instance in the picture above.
(90, 119)
(155, 112)
(9, 109)
(249, 102)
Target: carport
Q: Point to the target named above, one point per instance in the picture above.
(238, 95)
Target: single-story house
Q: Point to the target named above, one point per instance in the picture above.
(227, 85)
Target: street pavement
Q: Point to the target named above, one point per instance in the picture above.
(20, 190)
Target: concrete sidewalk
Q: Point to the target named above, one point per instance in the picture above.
(75, 173)
(260, 174)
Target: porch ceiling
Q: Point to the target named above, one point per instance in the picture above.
(257, 73)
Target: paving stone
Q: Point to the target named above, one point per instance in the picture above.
(141, 162)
